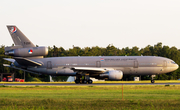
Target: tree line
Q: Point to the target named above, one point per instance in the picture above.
(156, 50)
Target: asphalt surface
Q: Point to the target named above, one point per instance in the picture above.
(73, 84)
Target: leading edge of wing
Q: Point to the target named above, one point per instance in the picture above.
(91, 69)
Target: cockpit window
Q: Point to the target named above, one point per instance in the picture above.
(173, 62)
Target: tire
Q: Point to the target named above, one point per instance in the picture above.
(90, 81)
(77, 81)
(84, 82)
(152, 81)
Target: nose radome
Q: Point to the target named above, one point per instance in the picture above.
(177, 66)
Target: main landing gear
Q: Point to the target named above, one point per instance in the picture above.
(152, 78)
(83, 79)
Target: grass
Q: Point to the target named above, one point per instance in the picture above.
(95, 104)
(90, 97)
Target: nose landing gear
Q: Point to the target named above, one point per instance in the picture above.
(152, 78)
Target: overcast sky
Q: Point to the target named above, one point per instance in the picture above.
(88, 23)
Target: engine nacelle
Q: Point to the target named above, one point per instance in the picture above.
(28, 52)
(112, 75)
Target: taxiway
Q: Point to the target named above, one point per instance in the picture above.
(73, 84)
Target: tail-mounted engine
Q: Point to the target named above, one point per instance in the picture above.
(26, 52)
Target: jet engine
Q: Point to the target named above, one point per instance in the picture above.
(112, 75)
(27, 52)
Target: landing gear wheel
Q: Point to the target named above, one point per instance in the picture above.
(152, 78)
(77, 81)
(84, 82)
(90, 81)
(152, 81)
(83, 78)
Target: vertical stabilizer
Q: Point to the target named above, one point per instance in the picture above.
(19, 38)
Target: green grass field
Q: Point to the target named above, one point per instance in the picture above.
(90, 97)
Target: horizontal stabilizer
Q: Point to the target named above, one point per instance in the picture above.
(26, 62)
(9, 59)
(6, 65)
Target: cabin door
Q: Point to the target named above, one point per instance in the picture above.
(98, 64)
(49, 65)
(135, 69)
(164, 63)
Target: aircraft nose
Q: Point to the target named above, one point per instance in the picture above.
(177, 66)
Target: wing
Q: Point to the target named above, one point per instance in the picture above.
(91, 69)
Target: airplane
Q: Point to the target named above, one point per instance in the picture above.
(29, 58)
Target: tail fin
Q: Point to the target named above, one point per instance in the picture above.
(19, 38)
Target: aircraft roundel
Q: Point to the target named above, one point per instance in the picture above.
(13, 29)
(30, 51)
(102, 59)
